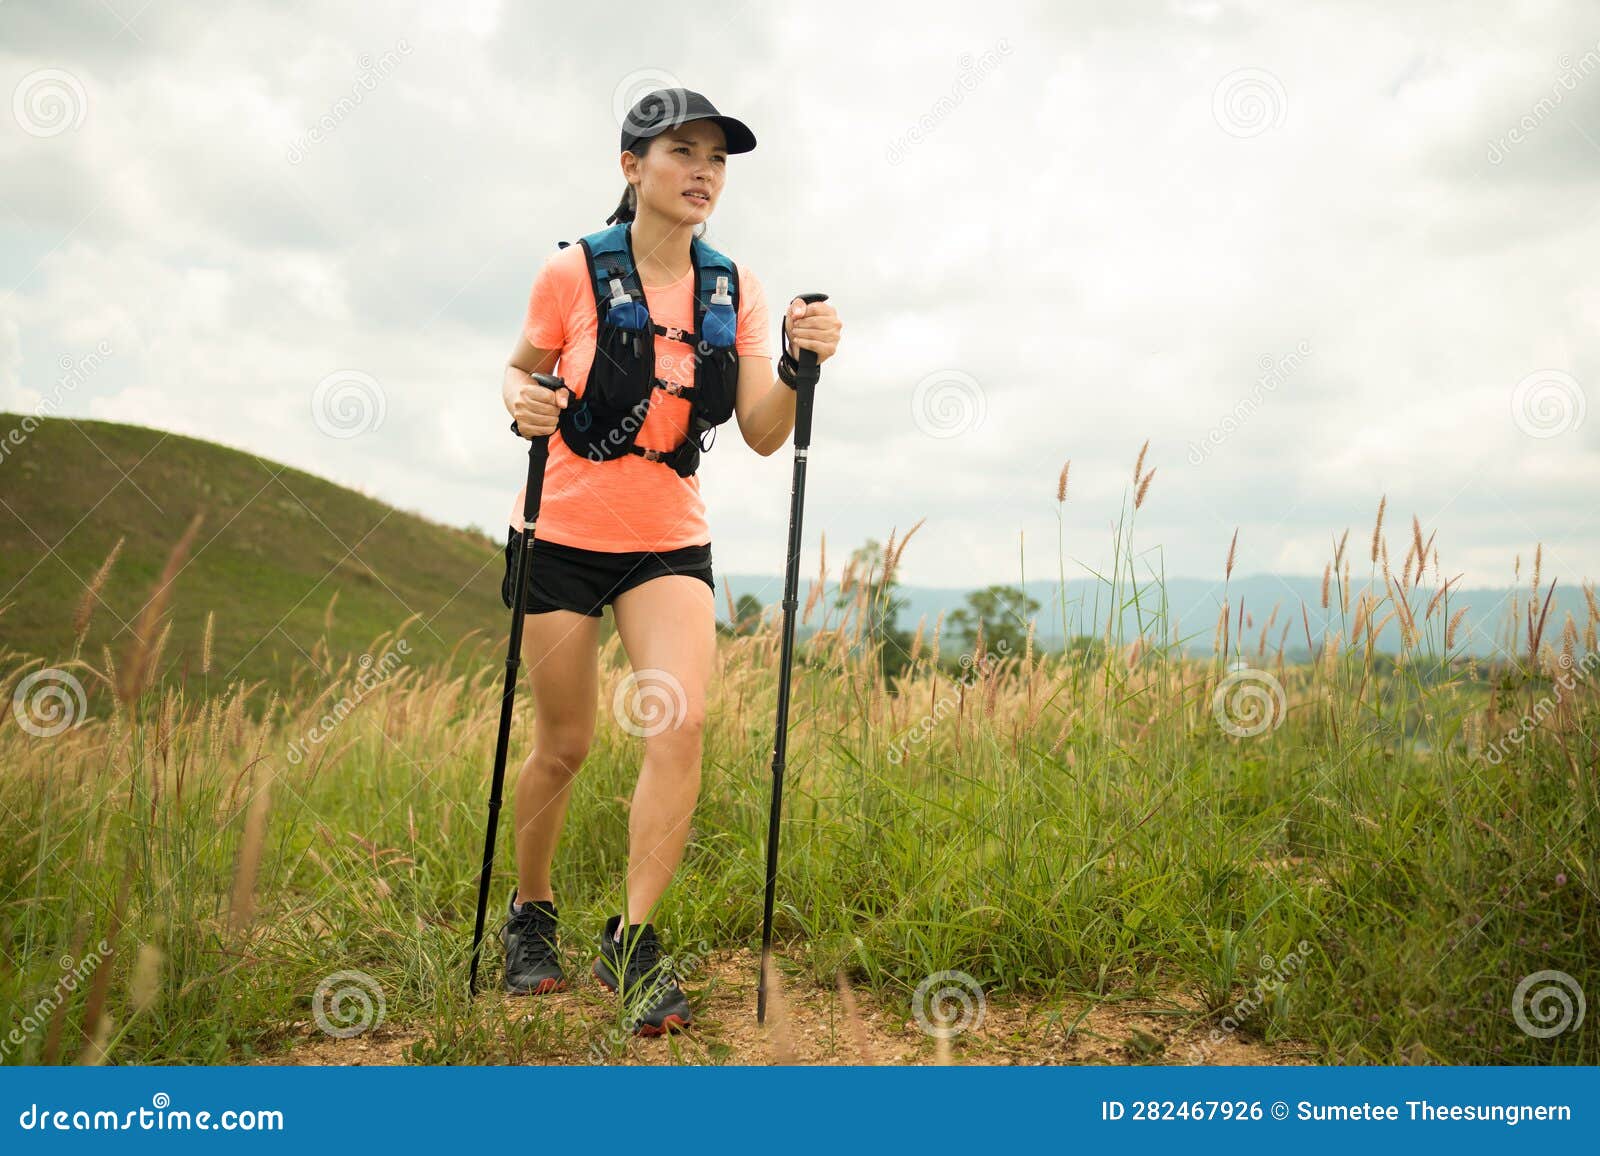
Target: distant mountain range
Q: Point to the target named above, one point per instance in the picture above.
(1194, 604)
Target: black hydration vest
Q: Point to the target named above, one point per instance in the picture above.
(603, 423)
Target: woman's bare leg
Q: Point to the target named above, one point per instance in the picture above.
(668, 628)
(560, 651)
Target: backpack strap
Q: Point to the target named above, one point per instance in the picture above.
(614, 280)
(612, 274)
(716, 292)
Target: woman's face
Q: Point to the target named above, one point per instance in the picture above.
(682, 172)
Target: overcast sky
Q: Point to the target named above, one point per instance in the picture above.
(1314, 253)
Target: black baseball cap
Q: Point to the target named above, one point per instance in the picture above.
(665, 108)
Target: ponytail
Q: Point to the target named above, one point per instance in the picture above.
(626, 208)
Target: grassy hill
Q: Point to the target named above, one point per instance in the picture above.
(276, 545)
(274, 548)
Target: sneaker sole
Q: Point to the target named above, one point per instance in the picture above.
(543, 987)
(672, 1023)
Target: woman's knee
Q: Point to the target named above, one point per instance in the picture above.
(561, 752)
(694, 718)
(658, 702)
(682, 736)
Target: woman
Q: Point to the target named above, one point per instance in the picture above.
(628, 528)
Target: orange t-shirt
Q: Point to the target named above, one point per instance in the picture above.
(630, 503)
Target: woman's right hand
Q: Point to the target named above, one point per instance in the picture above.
(536, 408)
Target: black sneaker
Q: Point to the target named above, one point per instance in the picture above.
(655, 1005)
(533, 965)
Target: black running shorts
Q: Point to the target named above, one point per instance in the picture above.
(570, 578)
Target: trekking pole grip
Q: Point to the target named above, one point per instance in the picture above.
(806, 377)
(538, 455)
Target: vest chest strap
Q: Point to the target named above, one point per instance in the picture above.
(673, 333)
(674, 388)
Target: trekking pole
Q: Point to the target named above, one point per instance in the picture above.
(538, 454)
(805, 389)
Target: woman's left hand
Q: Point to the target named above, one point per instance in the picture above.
(814, 326)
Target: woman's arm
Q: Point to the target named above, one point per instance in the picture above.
(534, 406)
(764, 404)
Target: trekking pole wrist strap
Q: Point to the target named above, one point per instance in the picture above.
(788, 365)
(788, 370)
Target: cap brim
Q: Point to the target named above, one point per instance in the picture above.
(740, 138)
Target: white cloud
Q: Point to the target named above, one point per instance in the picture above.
(1074, 231)
(12, 395)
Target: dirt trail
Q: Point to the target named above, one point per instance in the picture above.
(809, 1025)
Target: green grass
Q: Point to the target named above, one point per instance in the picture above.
(1074, 825)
